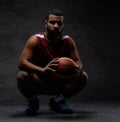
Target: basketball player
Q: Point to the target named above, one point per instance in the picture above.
(36, 62)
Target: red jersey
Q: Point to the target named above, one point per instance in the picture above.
(46, 51)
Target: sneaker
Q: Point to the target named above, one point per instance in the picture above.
(60, 107)
(33, 106)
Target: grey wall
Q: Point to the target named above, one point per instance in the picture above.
(93, 25)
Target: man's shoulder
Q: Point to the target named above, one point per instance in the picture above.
(63, 37)
(40, 35)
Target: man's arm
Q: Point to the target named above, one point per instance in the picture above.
(74, 53)
(26, 56)
(25, 60)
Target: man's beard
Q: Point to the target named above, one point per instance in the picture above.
(54, 33)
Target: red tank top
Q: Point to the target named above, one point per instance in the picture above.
(45, 51)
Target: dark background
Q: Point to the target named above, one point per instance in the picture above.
(93, 24)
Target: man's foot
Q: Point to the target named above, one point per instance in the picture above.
(60, 107)
(33, 106)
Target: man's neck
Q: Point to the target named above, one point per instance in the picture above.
(50, 38)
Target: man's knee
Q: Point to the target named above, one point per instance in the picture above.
(85, 76)
(23, 84)
(82, 80)
(22, 75)
(22, 80)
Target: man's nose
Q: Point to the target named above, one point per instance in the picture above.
(56, 25)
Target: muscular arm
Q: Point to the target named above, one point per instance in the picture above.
(74, 53)
(25, 60)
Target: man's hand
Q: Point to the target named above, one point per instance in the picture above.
(51, 66)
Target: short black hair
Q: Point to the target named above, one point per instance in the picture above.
(55, 11)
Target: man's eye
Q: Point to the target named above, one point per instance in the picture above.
(59, 23)
(52, 22)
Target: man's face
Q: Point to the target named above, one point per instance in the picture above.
(54, 25)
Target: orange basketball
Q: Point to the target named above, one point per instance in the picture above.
(66, 68)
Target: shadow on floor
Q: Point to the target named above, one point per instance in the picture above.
(52, 115)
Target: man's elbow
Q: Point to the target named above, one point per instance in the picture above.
(21, 64)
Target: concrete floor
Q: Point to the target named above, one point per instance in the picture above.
(83, 112)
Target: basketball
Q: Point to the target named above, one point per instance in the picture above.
(66, 68)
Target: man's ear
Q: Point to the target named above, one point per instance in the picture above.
(45, 23)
